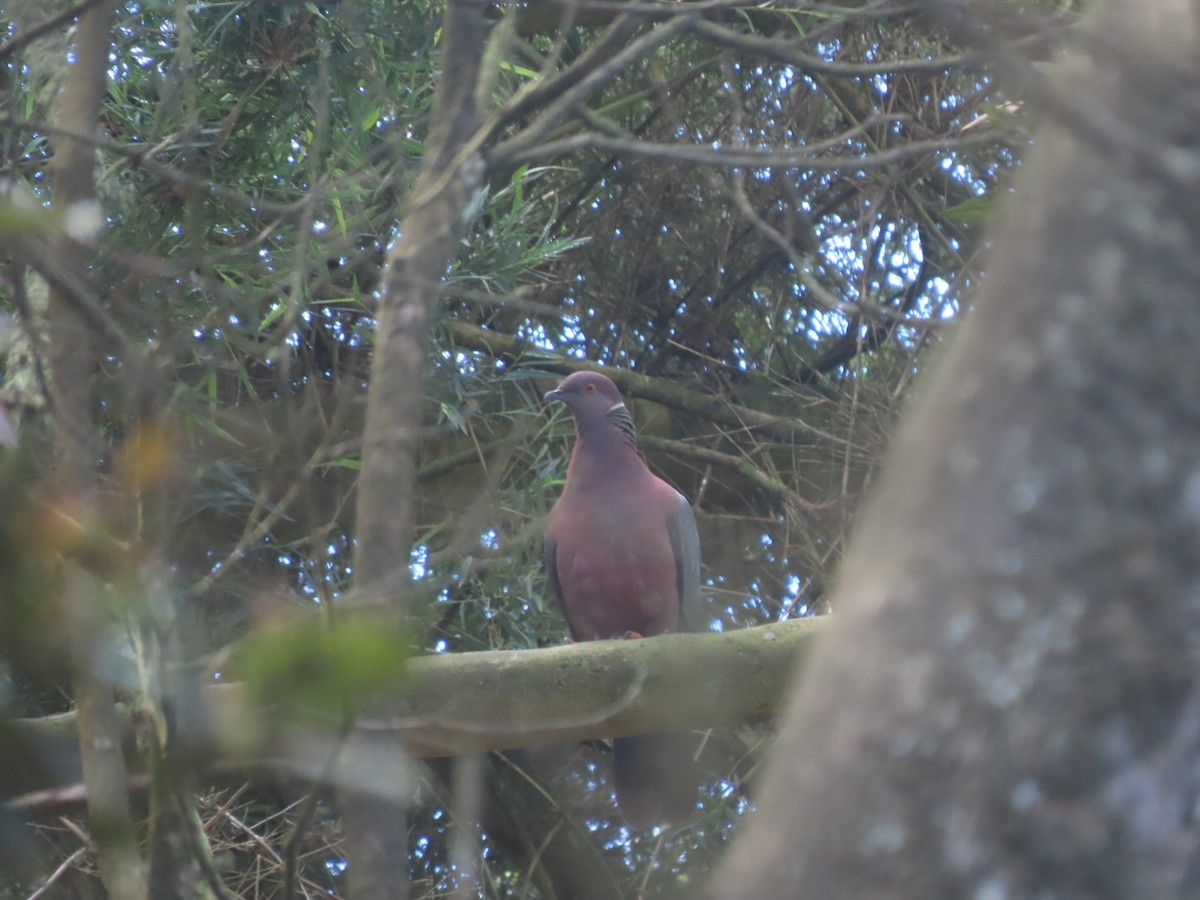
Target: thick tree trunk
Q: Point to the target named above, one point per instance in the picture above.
(1007, 702)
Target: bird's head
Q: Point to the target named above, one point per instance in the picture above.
(597, 407)
(587, 394)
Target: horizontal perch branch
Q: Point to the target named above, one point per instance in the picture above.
(476, 702)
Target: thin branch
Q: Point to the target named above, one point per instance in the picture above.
(579, 92)
(544, 90)
(785, 51)
(59, 872)
(142, 156)
(817, 291)
(1086, 114)
(291, 847)
(49, 263)
(725, 157)
(716, 409)
(740, 465)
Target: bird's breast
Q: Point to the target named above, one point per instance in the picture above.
(617, 575)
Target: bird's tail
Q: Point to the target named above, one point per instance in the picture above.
(656, 778)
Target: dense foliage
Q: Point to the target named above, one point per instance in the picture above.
(770, 213)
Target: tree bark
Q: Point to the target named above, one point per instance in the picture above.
(72, 359)
(421, 255)
(1007, 702)
(423, 251)
(462, 703)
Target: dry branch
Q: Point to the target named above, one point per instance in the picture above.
(677, 396)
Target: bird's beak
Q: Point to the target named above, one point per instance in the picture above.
(555, 394)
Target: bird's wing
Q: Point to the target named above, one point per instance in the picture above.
(550, 554)
(685, 542)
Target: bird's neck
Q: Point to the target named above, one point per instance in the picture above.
(605, 448)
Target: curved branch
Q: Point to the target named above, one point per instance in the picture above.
(739, 464)
(806, 157)
(787, 52)
(676, 396)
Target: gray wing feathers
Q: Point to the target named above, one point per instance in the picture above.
(685, 541)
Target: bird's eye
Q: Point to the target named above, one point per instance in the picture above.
(590, 388)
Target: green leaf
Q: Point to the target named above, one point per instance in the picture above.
(271, 317)
(20, 221)
(371, 118)
(212, 428)
(311, 665)
(518, 70)
(976, 211)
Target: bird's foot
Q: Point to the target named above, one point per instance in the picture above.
(631, 635)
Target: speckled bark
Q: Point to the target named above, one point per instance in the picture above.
(73, 352)
(421, 253)
(1007, 703)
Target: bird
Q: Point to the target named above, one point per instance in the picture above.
(622, 557)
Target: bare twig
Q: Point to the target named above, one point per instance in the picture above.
(291, 847)
(729, 157)
(719, 410)
(59, 872)
(579, 91)
(742, 466)
(788, 52)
